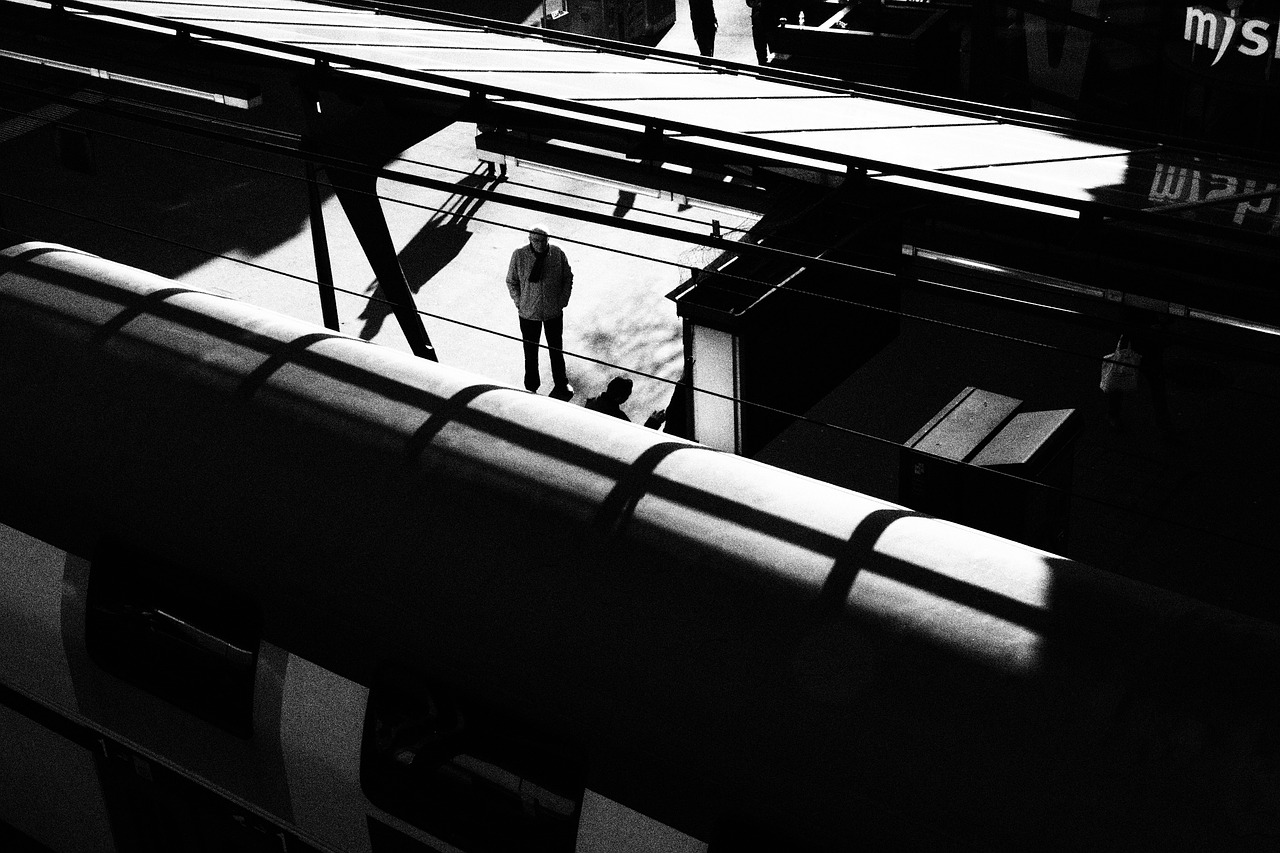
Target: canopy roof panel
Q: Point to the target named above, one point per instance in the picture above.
(929, 142)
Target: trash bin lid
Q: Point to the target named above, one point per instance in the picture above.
(1022, 438)
(964, 423)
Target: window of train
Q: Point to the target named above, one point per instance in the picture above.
(475, 778)
(180, 637)
(157, 810)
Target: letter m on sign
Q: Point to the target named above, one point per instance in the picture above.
(1201, 27)
(1169, 184)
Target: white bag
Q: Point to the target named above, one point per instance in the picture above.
(1120, 368)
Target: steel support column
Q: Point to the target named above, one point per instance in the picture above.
(369, 134)
(320, 246)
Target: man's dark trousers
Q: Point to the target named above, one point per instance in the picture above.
(531, 331)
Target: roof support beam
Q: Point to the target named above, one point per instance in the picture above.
(369, 137)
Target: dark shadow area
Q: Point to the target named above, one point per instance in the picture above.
(626, 201)
(203, 197)
(467, 771)
(1185, 508)
(19, 842)
(1181, 691)
(198, 651)
(441, 239)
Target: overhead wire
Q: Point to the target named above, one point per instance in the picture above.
(731, 398)
(840, 428)
(727, 397)
(702, 283)
(708, 282)
(715, 281)
(722, 276)
(522, 228)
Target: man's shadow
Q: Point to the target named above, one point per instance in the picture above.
(431, 249)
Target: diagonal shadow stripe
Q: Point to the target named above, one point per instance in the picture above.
(857, 554)
(141, 305)
(10, 263)
(447, 411)
(618, 506)
(282, 356)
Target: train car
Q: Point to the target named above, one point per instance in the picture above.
(268, 587)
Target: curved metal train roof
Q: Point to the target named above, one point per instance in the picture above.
(945, 146)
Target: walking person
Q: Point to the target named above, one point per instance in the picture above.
(702, 17)
(764, 21)
(540, 282)
(610, 401)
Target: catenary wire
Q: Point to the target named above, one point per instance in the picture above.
(1093, 358)
(1150, 516)
(709, 284)
(703, 283)
(456, 190)
(588, 244)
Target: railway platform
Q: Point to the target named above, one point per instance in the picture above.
(1192, 514)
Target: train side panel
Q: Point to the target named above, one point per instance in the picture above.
(552, 611)
(160, 385)
(48, 782)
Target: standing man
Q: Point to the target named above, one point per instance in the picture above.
(702, 16)
(540, 282)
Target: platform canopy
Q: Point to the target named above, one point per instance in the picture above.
(1019, 159)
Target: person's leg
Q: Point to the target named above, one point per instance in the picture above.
(705, 36)
(531, 331)
(760, 38)
(555, 340)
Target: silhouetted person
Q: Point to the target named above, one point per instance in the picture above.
(540, 282)
(764, 23)
(1145, 336)
(610, 402)
(702, 17)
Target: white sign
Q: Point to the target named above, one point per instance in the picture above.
(1219, 32)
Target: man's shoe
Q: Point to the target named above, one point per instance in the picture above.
(562, 392)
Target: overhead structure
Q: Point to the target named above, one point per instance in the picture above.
(683, 108)
(951, 192)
